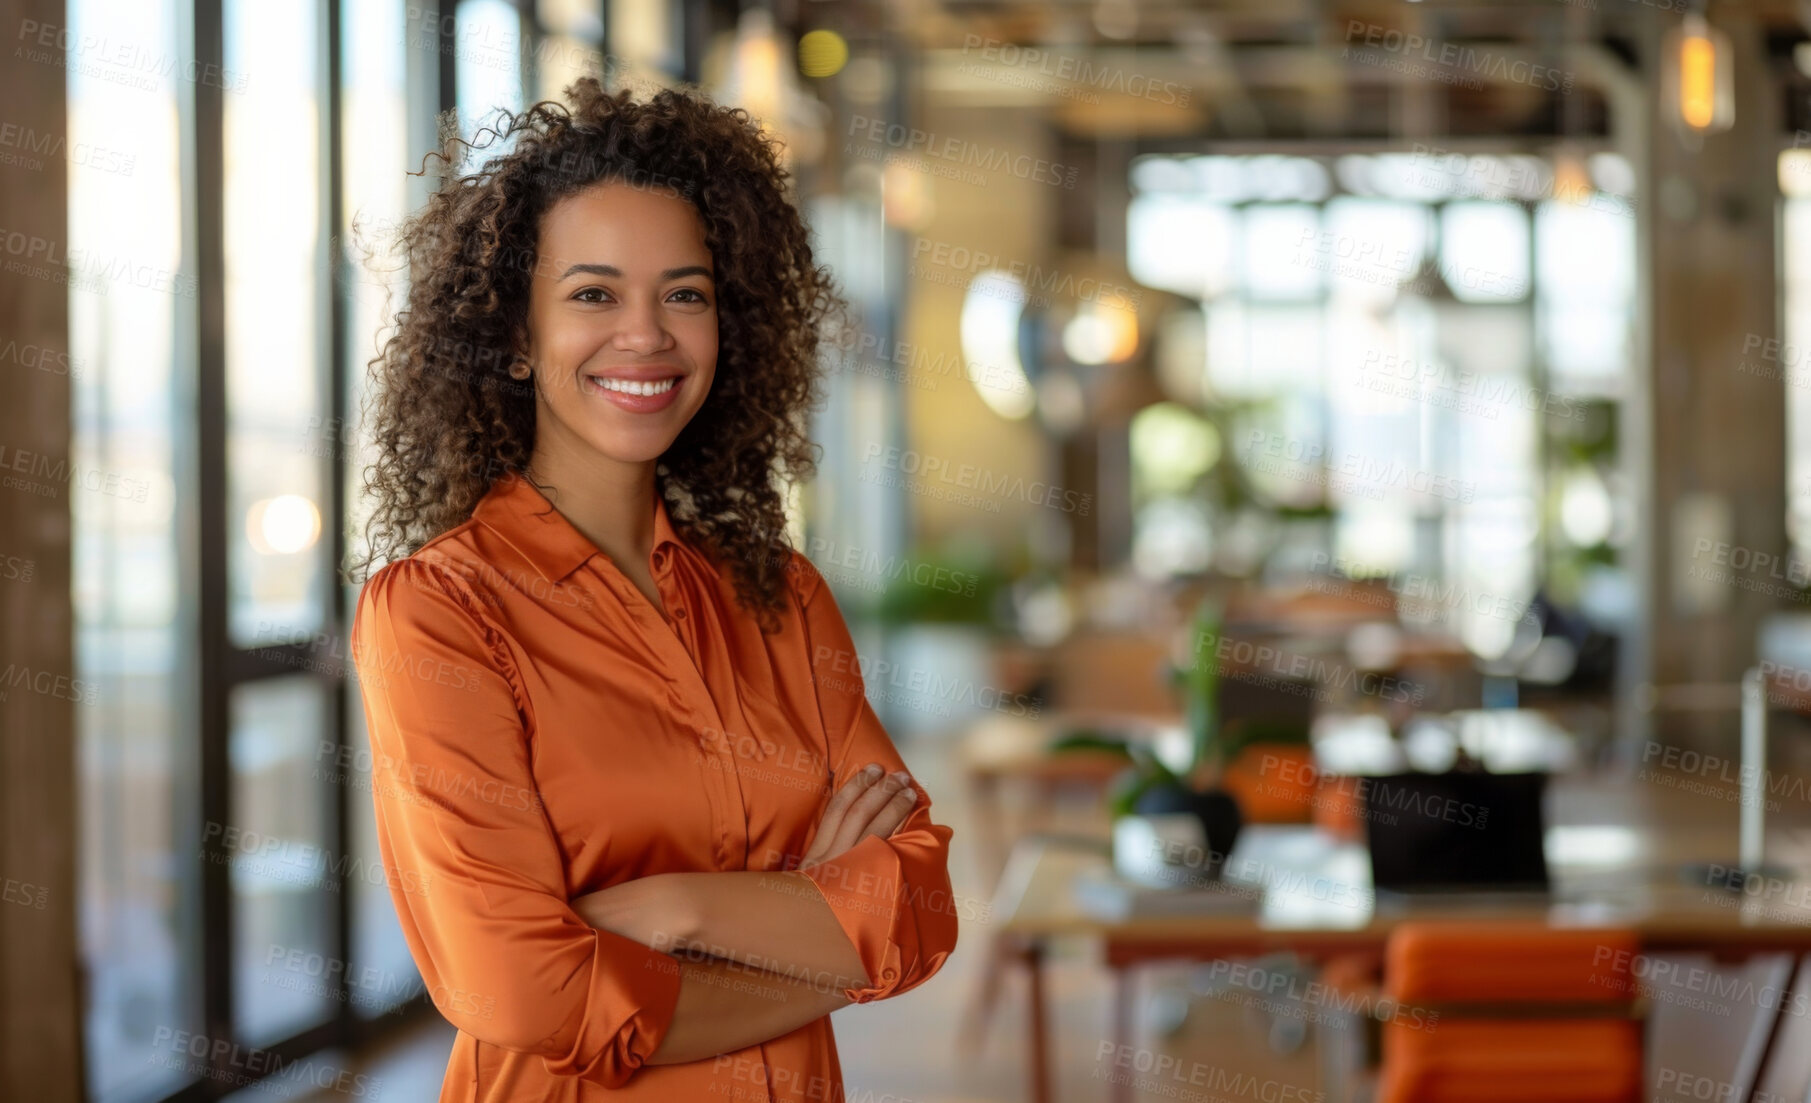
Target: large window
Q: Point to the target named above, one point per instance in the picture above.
(1404, 345)
(232, 889)
(132, 343)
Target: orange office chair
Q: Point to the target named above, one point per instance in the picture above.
(1273, 783)
(1510, 1012)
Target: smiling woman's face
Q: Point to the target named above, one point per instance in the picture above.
(622, 323)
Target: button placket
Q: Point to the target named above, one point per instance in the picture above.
(693, 705)
(732, 830)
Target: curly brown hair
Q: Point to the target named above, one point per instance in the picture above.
(447, 420)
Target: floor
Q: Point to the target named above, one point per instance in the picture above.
(1228, 1052)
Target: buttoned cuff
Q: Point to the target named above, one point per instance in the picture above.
(863, 886)
(634, 990)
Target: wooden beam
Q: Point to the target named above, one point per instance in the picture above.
(40, 1018)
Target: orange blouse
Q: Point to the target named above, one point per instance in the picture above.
(540, 731)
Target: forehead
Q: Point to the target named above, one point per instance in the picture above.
(625, 226)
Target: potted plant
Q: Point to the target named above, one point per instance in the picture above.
(1174, 828)
(937, 608)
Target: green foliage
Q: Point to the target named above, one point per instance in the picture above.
(941, 586)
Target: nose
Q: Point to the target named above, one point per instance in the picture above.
(640, 329)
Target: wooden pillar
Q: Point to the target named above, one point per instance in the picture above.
(1705, 435)
(40, 1019)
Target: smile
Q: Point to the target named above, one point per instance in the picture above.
(634, 387)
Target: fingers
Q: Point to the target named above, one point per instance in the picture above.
(894, 812)
(868, 805)
(825, 840)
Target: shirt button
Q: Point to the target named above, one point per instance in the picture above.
(679, 614)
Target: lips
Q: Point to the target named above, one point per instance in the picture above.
(644, 387)
(640, 390)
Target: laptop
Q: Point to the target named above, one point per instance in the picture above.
(1462, 837)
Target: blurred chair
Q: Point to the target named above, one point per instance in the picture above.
(1273, 782)
(1525, 1013)
(1122, 673)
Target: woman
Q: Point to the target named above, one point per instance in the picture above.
(642, 829)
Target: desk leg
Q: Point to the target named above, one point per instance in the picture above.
(1121, 1091)
(1773, 1031)
(1031, 952)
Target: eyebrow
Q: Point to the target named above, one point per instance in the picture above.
(617, 273)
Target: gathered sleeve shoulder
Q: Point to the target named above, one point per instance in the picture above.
(476, 872)
(891, 896)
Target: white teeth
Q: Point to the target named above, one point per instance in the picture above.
(630, 386)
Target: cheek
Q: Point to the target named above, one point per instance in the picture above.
(701, 344)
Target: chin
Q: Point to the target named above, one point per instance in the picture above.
(631, 448)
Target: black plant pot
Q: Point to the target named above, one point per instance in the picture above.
(1217, 810)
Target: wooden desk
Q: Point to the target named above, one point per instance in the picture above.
(1318, 903)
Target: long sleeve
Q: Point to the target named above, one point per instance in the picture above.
(475, 869)
(892, 895)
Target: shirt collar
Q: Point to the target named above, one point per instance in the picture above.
(518, 512)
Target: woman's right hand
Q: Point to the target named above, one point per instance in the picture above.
(868, 805)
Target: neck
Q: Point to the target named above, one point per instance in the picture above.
(610, 502)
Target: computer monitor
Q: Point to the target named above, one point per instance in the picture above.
(1456, 832)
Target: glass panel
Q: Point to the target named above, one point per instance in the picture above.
(1376, 246)
(1283, 252)
(1586, 259)
(561, 59)
(129, 363)
(274, 262)
(374, 125)
(380, 971)
(1263, 350)
(488, 64)
(1484, 251)
(282, 873)
(1179, 244)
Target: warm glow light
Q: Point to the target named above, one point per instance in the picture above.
(1697, 81)
(283, 525)
(1101, 334)
(822, 53)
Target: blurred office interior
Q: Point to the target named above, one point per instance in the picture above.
(1268, 400)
